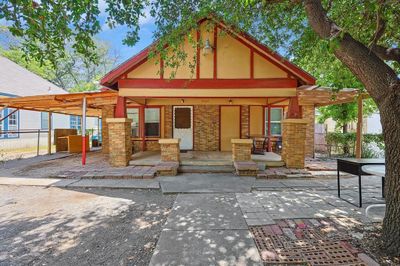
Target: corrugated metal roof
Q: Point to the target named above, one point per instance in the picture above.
(17, 80)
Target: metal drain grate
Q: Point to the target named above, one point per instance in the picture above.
(309, 242)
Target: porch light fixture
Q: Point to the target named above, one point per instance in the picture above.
(207, 49)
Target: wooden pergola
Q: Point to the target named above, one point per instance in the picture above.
(83, 104)
(323, 96)
(69, 103)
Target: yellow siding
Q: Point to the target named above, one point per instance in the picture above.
(185, 69)
(256, 120)
(230, 126)
(206, 61)
(265, 69)
(149, 69)
(233, 58)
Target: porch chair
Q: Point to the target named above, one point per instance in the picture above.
(259, 145)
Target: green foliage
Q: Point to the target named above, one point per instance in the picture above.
(74, 72)
(44, 70)
(338, 141)
(47, 27)
(344, 114)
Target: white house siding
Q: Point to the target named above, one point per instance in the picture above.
(31, 121)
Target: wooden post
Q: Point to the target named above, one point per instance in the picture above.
(49, 134)
(359, 127)
(142, 128)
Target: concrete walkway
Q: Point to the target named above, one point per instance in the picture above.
(206, 229)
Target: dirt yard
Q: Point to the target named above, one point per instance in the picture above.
(52, 226)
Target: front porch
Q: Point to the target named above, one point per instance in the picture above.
(205, 158)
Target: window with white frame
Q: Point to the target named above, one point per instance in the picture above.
(75, 122)
(276, 120)
(133, 113)
(44, 120)
(152, 122)
(13, 123)
(1, 124)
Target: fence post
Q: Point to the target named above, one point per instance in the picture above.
(38, 142)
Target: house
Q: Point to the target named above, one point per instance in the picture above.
(16, 81)
(239, 88)
(236, 90)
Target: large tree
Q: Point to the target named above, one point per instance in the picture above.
(363, 35)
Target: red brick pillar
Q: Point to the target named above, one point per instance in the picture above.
(120, 150)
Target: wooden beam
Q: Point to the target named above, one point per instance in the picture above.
(49, 134)
(359, 127)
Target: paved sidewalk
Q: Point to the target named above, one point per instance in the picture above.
(81, 183)
(206, 229)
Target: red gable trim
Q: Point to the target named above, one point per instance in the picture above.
(208, 83)
(110, 78)
(125, 66)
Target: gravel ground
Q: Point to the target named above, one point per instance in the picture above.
(51, 226)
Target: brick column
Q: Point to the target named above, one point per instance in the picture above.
(107, 111)
(293, 142)
(170, 151)
(241, 150)
(309, 115)
(120, 149)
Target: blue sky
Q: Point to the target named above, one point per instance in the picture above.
(115, 36)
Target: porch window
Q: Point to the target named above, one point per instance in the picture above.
(152, 122)
(276, 121)
(133, 113)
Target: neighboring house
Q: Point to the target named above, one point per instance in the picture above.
(239, 88)
(16, 81)
(371, 125)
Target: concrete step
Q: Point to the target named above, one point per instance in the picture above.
(206, 169)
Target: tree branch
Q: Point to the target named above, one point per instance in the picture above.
(380, 24)
(388, 54)
(321, 24)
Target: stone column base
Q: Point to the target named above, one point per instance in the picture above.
(120, 143)
(170, 151)
(293, 142)
(241, 150)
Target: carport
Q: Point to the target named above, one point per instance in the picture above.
(83, 104)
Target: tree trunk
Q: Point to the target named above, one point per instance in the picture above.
(383, 85)
(390, 119)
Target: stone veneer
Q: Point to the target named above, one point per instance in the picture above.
(241, 149)
(170, 151)
(167, 121)
(244, 117)
(293, 142)
(206, 127)
(309, 115)
(119, 133)
(107, 111)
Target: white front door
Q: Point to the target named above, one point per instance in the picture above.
(183, 126)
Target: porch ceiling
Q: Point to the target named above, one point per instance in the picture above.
(322, 96)
(70, 104)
